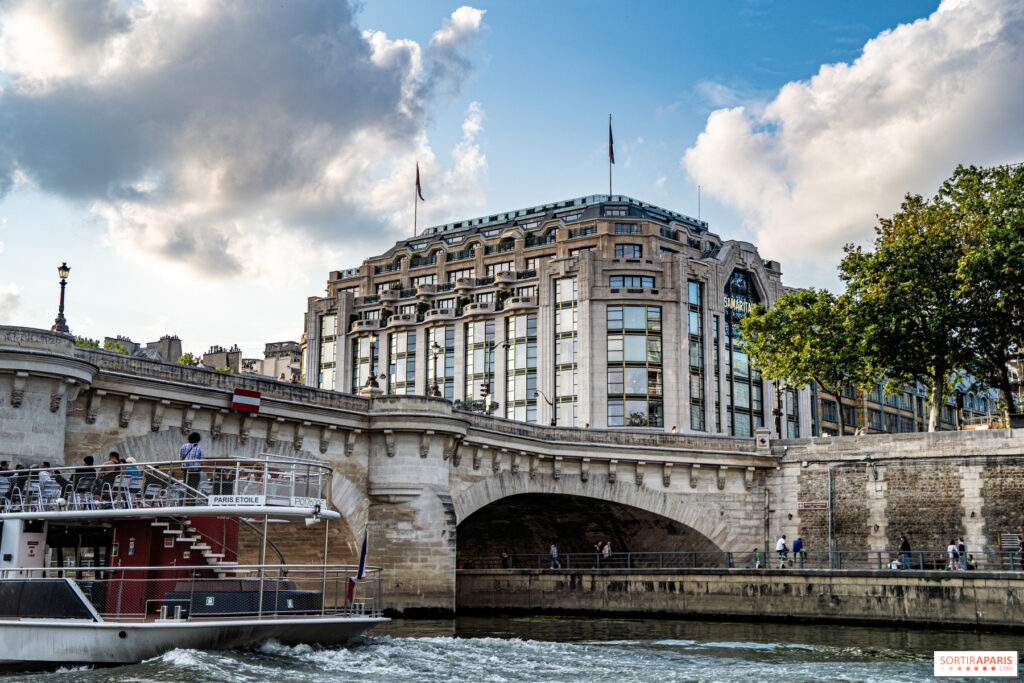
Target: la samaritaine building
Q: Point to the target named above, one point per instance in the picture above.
(599, 311)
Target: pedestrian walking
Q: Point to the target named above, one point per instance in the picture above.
(191, 454)
(905, 552)
(554, 556)
(961, 549)
(799, 551)
(757, 559)
(954, 555)
(607, 550)
(782, 550)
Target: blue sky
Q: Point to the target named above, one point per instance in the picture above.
(203, 167)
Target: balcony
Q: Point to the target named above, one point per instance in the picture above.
(465, 283)
(366, 300)
(505, 276)
(421, 261)
(401, 319)
(514, 303)
(426, 290)
(526, 274)
(363, 325)
(500, 248)
(540, 240)
(461, 255)
(669, 233)
(582, 232)
(390, 294)
(388, 268)
(479, 307)
(439, 314)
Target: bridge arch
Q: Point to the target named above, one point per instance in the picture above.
(698, 517)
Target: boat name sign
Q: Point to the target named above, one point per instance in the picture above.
(238, 500)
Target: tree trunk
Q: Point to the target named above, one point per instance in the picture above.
(936, 402)
(1007, 389)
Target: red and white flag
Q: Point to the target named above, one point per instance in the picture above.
(246, 400)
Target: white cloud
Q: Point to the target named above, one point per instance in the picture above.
(811, 171)
(10, 301)
(221, 135)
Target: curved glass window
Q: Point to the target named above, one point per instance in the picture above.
(744, 399)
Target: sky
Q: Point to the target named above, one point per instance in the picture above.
(203, 165)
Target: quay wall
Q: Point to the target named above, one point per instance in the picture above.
(977, 600)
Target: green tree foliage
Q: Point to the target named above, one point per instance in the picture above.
(116, 347)
(915, 315)
(808, 336)
(87, 343)
(988, 206)
(188, 359)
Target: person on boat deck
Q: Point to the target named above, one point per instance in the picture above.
(108, 471)
(191, 454)
(20, 478)
(132, 469)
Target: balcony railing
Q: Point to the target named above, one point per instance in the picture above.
(500, 248)
(420, 261)
(262, 481)
(388, 267)
(582, 232)
(525, 274)
(540, 240)
(461, 255)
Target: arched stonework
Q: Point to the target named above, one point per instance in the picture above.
(701, 512)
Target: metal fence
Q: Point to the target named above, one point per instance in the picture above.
(192, 593)
(931, 560)
(271, 480)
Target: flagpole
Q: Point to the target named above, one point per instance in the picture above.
(415, 207)
(610, 162)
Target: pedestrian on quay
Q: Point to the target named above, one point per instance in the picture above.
(757, 559)
(782, 550)
(554, 556)
(607, 550)
(799, 552)
(970, 563)
(905, 552)
(505, 564)
(954, 555)
(961, 549)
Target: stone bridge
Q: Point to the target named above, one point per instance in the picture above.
(430, 482)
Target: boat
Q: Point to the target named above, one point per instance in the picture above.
(122, 562)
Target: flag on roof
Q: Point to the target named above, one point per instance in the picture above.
(419, 190)
(611, 142)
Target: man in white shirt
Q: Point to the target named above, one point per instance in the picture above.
(781, 549)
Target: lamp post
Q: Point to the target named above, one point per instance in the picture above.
(59, 323)
(541, 394)
(435, 351)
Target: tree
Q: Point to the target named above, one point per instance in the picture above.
(808, 336)
(87, 343)
(116, 347)
(188, 359)
(988, 205)
(916, 316)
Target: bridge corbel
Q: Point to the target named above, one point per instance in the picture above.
(457, 454)
(720, 476)
(585, 470)
(157, 420)
(57, 395)
(748, 477)
(478, 455)
(18, 388)
(514, 465)
(245, 427)
(93, 409)
(496, 460)
(534, 460)
(127, 410)
(426, 441)
(217, 423)
(187, 418)
(350, 441)
(556, 468)
(272, 430)
(298, 433)
(325, 437)
(666, 474)
(389, 442)
(453, 445)
(612, 464)
(640, 464)
(694, 471)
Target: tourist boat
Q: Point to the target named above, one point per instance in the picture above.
(118, 564)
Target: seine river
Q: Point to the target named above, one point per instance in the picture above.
(571, 649)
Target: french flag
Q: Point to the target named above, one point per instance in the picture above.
(246, 400)
(360, 573)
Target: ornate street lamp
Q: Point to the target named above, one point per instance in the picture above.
(60, 324)
(435, 351)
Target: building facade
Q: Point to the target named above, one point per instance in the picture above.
(599, 311)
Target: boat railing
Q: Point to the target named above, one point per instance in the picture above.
(261, 481)
(195, 593)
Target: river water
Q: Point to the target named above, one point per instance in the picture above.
(570, 649)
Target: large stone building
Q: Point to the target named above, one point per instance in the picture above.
(600, 311)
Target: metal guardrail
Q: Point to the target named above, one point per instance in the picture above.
(194, 593)
(929, 560)
(274, 481)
